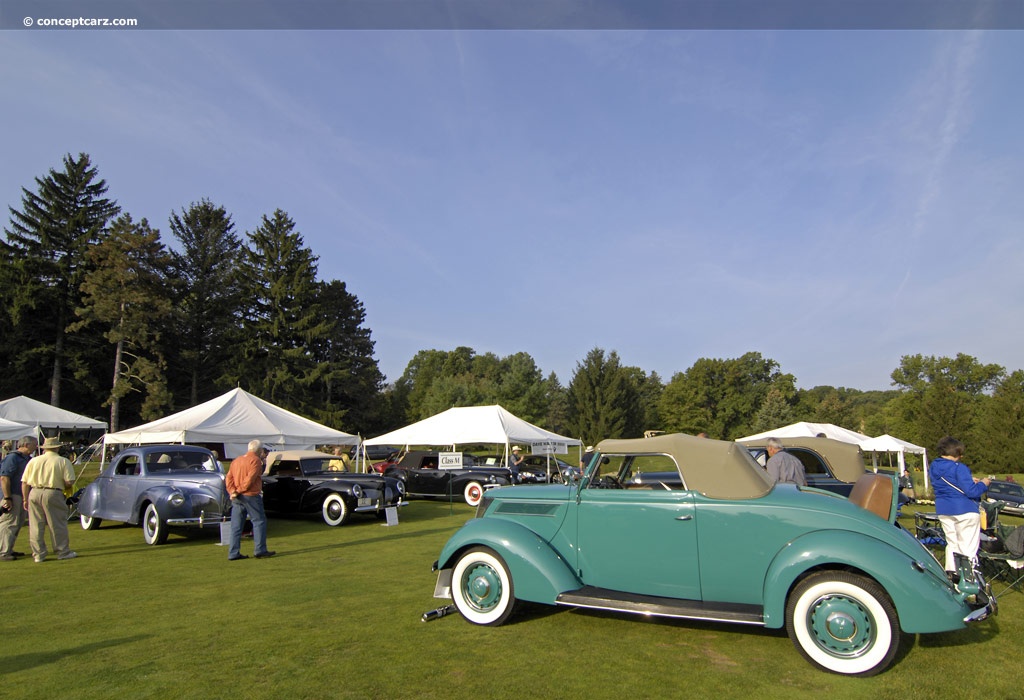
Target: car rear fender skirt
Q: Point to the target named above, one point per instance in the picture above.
(924, 600)
(539, 574)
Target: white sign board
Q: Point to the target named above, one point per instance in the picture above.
(391, 516)
(449, 460)
(549, 447)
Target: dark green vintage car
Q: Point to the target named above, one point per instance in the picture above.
(721, 543)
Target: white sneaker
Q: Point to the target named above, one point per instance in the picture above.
(39, 559)
(67, 555)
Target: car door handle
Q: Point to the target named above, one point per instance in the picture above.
(684, 517)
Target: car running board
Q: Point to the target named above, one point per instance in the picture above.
(604, 599)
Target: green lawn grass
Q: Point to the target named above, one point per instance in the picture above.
(337, 615)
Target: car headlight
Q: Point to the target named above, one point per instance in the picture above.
(357, 490)
(401, 487)
(176, 499)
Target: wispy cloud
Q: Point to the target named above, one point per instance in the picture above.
(949, 92)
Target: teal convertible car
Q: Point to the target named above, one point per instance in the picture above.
(721, 543)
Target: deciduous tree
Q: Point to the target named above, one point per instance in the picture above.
(939, 395)
(126, 295)
(722, 397)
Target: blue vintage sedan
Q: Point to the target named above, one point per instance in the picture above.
(718, 542)
(157, 486)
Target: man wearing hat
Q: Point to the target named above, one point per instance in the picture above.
(43, 484)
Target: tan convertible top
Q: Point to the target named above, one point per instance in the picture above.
(845, 459)
(715, 468)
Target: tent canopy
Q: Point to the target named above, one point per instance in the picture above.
(22, 409)
(470, 425)
(234, 419)
(888, 443)
(9, 430)
(804, 429)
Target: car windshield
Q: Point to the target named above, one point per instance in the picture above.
(180, 461)
(623, 469)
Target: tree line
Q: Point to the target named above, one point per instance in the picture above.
(101, 310)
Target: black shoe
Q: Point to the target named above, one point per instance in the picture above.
(265, 555)
(240, 556)
(17, 554)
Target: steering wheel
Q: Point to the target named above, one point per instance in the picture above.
(609, 481)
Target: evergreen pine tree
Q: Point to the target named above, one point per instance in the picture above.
(351, 382)
(208, 300)
(46, 249)
(282, 319)
(603, 399)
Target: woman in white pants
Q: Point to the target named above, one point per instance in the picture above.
(957, 501)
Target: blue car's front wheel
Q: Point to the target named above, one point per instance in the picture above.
(843, 623)
(482, 587)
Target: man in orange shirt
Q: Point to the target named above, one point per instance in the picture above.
(244, 483)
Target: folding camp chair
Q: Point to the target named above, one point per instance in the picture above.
(928, 529)
(994, 560)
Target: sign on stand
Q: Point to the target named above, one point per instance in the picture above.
(390, 516)
(549, 447)
(449, 460)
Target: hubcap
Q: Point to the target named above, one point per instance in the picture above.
(482, 587)
(841, 626)
(334, 510)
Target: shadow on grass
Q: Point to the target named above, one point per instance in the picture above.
(24, 662)
(391, 537)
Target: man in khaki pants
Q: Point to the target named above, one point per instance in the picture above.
(13, 517)
(42, 487)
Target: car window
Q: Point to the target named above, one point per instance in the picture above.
(285, 467)
(180, 461)
(811, 461)
(129, 466)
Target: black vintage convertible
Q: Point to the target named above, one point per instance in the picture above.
(308, 482)
(432, 474)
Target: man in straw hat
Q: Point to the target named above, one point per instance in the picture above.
(43, 484)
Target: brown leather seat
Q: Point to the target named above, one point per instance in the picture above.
(873, 492)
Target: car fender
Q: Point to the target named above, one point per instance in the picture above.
(316, 494)
(158, 496)
(923, 598)
(87, 502)
(539, 573)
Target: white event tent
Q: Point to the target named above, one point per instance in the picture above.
(234, 419)
(40, 416)
(10, 430)
(473, 425)
(804, 429)
(889, 444)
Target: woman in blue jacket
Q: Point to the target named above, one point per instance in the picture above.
(957, 500)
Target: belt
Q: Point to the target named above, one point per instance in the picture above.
(51, 488)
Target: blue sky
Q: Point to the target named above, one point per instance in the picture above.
(831, 199)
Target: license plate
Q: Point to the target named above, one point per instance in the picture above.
(365, 502)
